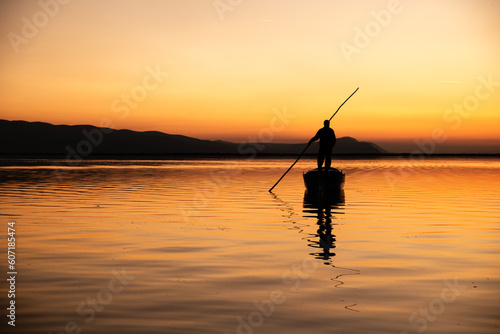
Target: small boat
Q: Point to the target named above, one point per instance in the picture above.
(323, 183)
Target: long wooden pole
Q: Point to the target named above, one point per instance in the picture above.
(270, 190)
(343, 104)
(282, 176)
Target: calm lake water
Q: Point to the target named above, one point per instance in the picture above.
(201, 246)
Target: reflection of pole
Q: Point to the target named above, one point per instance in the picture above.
(270, 190)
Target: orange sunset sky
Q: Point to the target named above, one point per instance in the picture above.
(225, 67)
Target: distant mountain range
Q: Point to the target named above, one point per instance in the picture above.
(81, 141)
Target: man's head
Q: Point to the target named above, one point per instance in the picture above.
(326, 123)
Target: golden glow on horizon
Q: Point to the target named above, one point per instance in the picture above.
(225, 78)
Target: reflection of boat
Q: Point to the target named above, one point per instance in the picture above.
(322, 183)
(324, 209)
(320, 200)
(321, 209)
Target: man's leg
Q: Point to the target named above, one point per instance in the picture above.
(328, 161)
(321, 158)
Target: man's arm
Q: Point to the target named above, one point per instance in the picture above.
(313, 139)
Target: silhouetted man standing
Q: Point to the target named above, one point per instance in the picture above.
(327, 141)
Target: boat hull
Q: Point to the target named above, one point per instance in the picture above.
(324, 183)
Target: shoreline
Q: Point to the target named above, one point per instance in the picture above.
(29, 159)
(231, 155)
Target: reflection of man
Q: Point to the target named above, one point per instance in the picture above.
(327, 141)
(326, 240)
